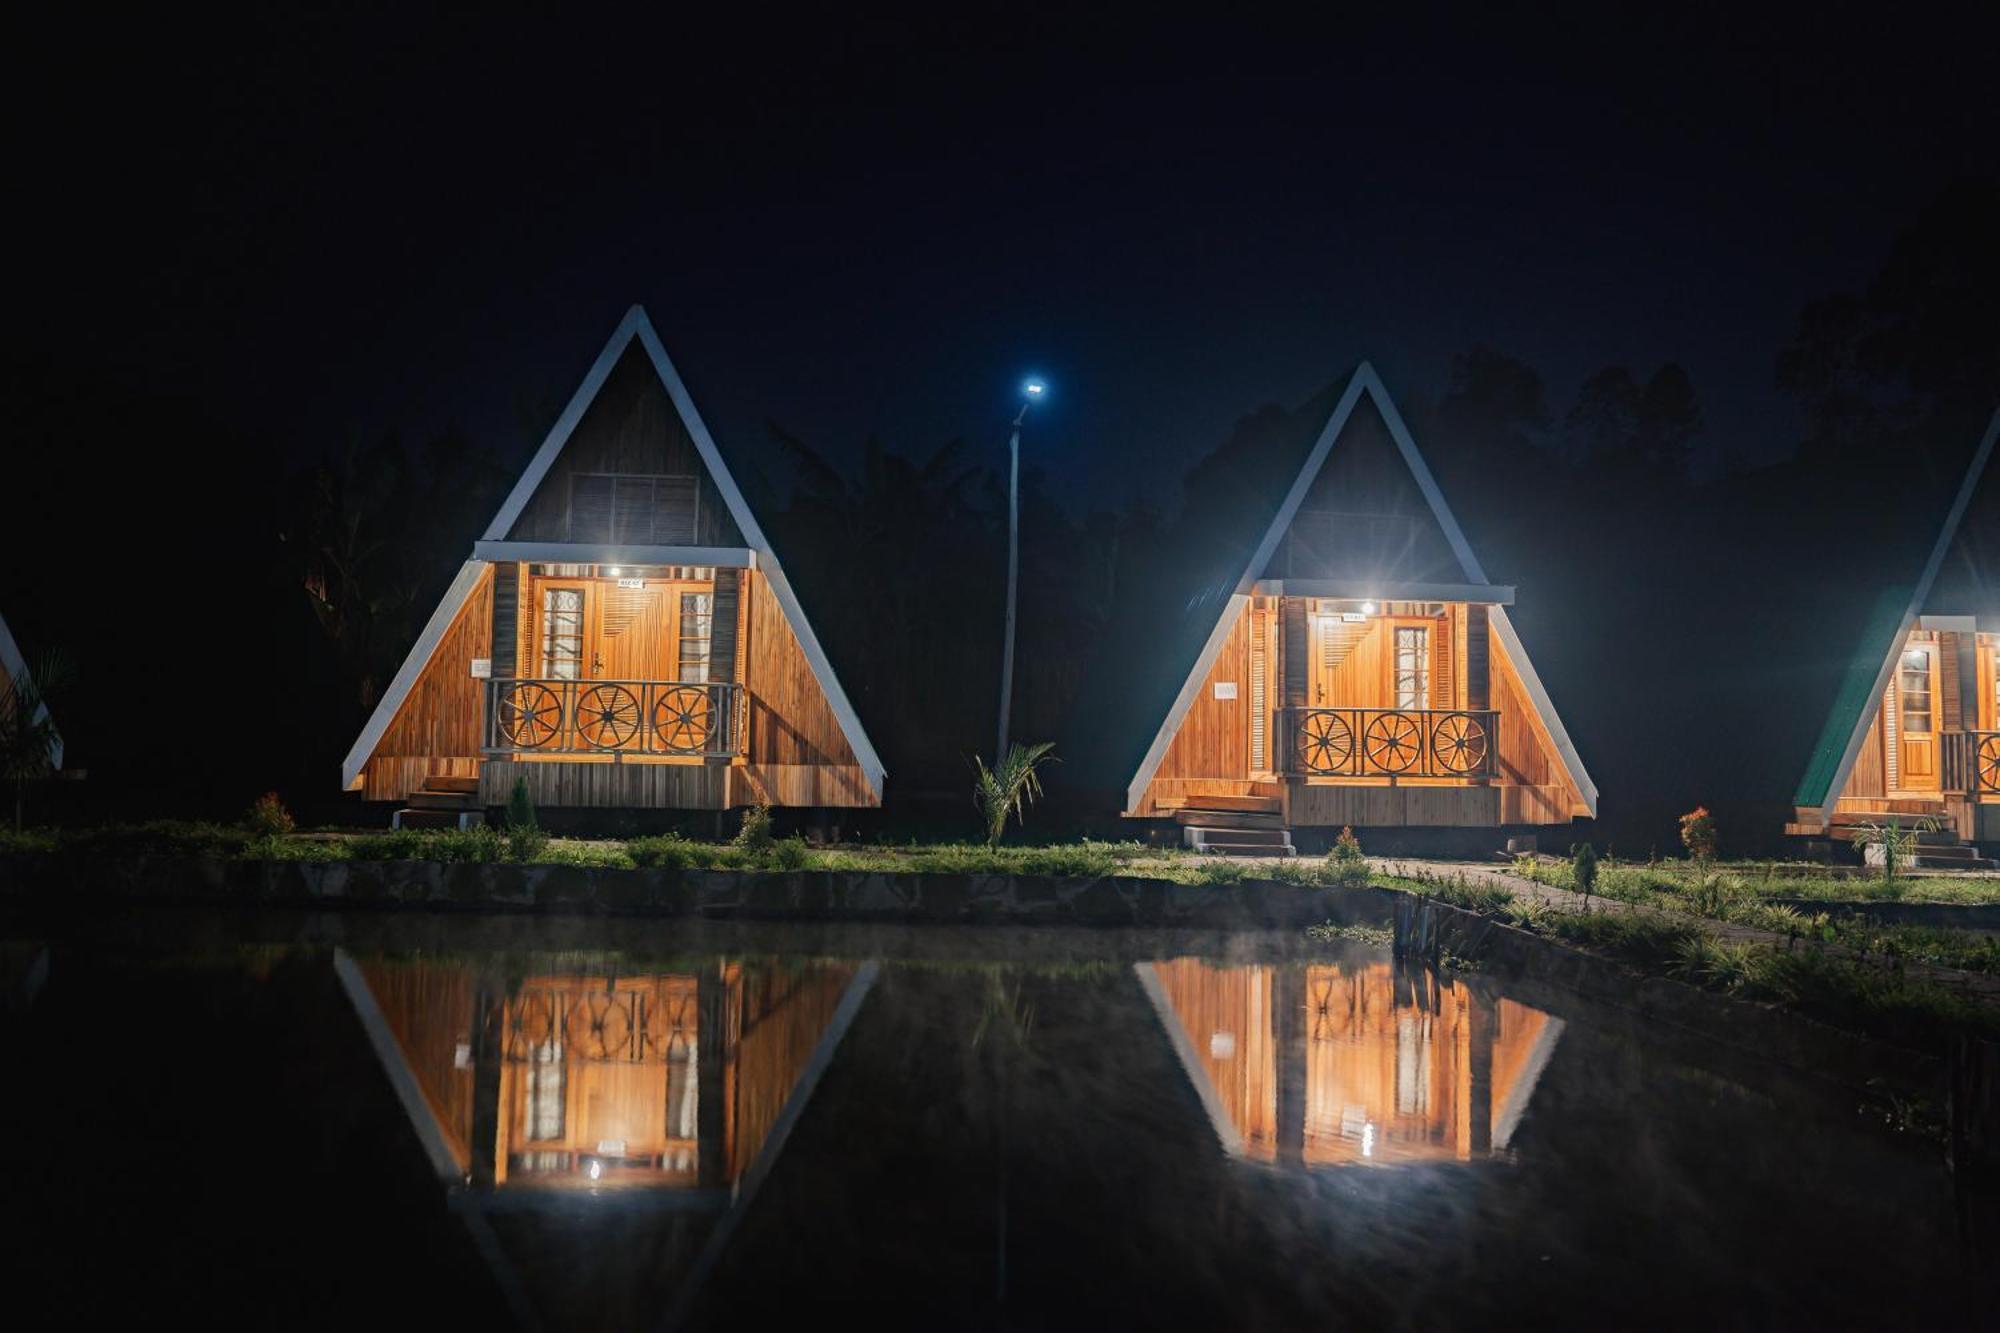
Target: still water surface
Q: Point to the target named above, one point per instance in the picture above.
(340, 1121)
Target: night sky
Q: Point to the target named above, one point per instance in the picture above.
(314, 230)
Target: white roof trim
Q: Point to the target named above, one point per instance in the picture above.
(1508, 1117)
(16, 664)
(637, 325)
(1866, 722)
(1489, 594)
(413, 667)
(584, 553)
(1364, 380)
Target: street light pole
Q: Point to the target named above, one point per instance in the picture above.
(1031, 391)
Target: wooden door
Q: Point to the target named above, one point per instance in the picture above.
(1918, 708)
(1346, 659)
(632, 632)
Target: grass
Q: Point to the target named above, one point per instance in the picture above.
(1768, 879)
(1848, 973)
(1085, 859)
(1719, 895)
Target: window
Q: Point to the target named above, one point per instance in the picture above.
(635, 508)
(1913, 687)
(545, 1091)
(562, 633)
(697, 626)
(1413, 667)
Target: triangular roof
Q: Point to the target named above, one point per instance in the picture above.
(1364, 382)
(635, 326)
(1894, 614)
(15, 664)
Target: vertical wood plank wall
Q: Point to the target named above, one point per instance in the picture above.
(438, 730)
(1535, 786)
(1214, 739)
(798, 754)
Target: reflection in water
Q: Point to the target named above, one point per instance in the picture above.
(674, 1090)
(587, 1078)
(1367, 1063)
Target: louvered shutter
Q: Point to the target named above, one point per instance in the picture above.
(1444, 666)
(506, 617)
(590, 512)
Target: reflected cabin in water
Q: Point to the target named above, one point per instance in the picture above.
(623, 635)
(1351, 1064)
(1360, 670)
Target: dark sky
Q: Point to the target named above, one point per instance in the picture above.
(312, 228)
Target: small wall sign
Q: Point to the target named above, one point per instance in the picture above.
(1225, 689)
(482, 668)
(631, 583)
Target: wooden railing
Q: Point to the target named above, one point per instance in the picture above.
(1973, 758)
(643, 717)
(1391, 742)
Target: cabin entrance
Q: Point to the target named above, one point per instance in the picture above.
(1916, 715)
(624, 629)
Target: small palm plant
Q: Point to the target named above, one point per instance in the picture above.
(29, 742)
(1010, 788)
(1896, 840)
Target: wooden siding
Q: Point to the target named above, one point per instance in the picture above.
(1331, 805)
(1392, 1066)
(632, 784)
(779, 1016)
(439, 729)
(631, 427)
(1226, 1014)
(1214, 739)
(1542, 792)
(790, 719)
(799, 785)
(428, 1008)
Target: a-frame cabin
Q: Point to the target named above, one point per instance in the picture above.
(622, 636)
(1914, 732)
(14, 667)
(1362, 671)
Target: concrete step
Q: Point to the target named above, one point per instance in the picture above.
(1927, 860)
(1239, 841)
(1229, 819)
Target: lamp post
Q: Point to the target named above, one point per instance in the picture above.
(1030, 392)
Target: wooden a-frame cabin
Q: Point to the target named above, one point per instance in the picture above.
(13, 667)
(1914, 732)
(1361, 671)
(621, 637)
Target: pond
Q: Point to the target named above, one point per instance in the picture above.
(334, 1119)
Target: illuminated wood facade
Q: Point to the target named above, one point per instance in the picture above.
(623, 635)
(1364, 671)
(1914, 732)
(589, 1079)
(1334, 1065)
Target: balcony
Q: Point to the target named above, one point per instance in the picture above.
(1972, 762)
(1391, 742)
(637, 718)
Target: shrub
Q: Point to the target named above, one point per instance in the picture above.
(267, 817)
(665, 851)
(1219, 872)
(1698, 833)
(525, 838)
(1583, 868)
(479, 844)
(755, 834)
(1346, 848)
(788, 853)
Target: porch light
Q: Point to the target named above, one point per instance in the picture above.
(616, 571)
(1368, 608)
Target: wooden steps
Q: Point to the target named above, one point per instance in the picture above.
(442, 802)
(1235, 826)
